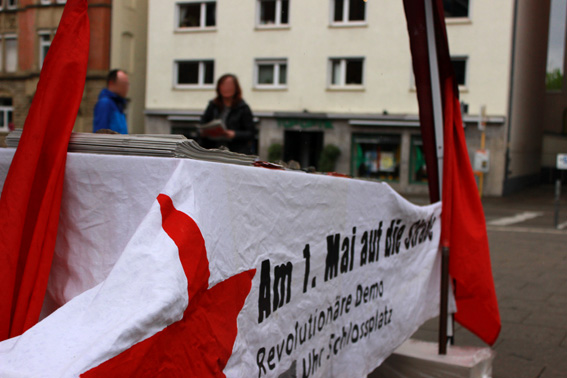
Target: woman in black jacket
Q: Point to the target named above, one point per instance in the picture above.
(232, 110)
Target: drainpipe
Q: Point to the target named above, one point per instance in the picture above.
(510, 97)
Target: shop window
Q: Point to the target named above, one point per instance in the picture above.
(347, 72)
(271, 73)
(418, 169)
(273, 12)
(303, 146)
(376, 156)
(194, 73)
(197, 14)
(346, 11)
(456, 8)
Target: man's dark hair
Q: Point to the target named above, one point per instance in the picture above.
(113, 75)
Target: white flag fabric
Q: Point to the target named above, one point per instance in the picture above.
(346, 270)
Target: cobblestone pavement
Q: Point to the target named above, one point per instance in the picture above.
(529, 262)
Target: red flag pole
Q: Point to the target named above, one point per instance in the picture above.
(438, 126)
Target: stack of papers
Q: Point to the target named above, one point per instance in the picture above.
(166, 145)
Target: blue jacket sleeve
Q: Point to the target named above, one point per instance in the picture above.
(102, 115)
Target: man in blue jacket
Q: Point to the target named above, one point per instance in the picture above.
(109, 109)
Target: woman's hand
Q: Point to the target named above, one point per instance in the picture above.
(230, 134)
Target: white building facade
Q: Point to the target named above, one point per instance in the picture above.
(339, 72)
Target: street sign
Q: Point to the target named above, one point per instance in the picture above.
(561, 161)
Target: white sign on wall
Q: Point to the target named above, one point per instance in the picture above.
(561, 161)
(481, 161)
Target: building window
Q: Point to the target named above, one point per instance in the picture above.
(418, 169)
(456, 8)
(271, 73)
(6, 113)
(349, 11)
(376, 156)
(194, 73)
(44, 43)
(11, 46)
(460, 67)
(347, 72)
(273, 12)
(196, 15)
(45, 2)
(11, 4)
(556, 46)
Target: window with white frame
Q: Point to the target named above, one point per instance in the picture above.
(194, 73)
(196, 15)
(346, 72)
(273, 12)
(460, 67)
(45, 2)
(271, 73)
(44, 43)
(11, 49)
(6, 113)
(11, 4)
(456, 8)
(349, 11)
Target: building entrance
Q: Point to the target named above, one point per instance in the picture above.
(303, 146)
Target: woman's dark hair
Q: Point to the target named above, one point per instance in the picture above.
(236, 99)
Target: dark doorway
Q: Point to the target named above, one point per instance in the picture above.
(303, 146)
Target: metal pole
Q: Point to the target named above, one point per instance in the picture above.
(482, 128)
(444, 315)
(557, 202)
(438, 123)
(435, 90)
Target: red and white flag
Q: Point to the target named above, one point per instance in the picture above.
(346, 270)
(154, 315)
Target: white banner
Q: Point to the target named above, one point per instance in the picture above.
(346, 270)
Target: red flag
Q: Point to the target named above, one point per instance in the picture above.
(463, 225)
(463, 229)
(31, 197)
(200, 344)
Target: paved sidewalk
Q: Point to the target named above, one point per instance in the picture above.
(529, 262)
